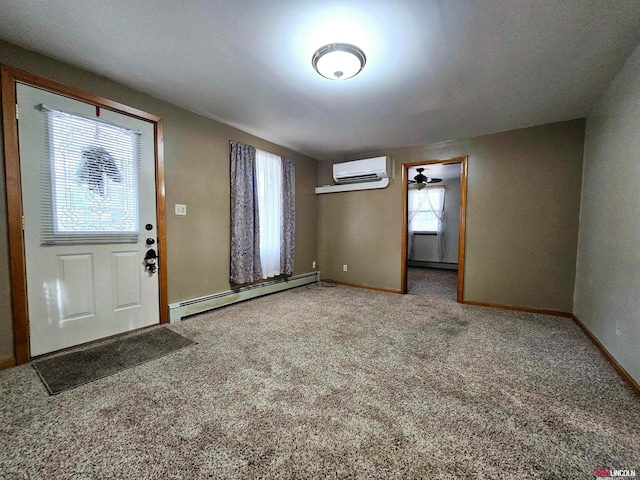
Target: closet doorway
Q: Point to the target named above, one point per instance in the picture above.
(433, 238)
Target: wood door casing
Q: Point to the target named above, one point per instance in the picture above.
(9, 76)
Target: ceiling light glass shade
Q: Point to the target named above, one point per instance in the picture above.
(339, 61)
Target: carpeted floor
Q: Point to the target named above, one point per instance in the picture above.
(338, 383)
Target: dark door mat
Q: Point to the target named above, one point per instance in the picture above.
(67, 371)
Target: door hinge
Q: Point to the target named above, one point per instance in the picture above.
(17, 108)
(23, 222)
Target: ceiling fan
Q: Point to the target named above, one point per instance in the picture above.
(421, 180)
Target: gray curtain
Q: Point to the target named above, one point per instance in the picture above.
(245, 227)
(288, 224)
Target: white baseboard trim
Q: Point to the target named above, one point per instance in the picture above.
(178, 311)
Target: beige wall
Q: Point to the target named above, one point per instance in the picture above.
(359, 229)
(522, 218)
(523, 207)
(197, 174)
(607, 292)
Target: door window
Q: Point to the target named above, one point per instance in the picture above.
(93, 167)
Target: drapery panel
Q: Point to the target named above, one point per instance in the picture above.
(414, 204)
(288, 223)
(435, 198)
(245, 227)
(263, 214)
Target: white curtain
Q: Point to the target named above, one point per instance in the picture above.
(435, 197)
(426, 214)
(269, 176)
(415, 203)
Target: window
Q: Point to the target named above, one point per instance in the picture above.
(92, 193)
(262, 214)
(269, 179)
(425, 209)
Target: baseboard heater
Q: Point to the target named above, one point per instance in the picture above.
(178, 311)
(429, 264)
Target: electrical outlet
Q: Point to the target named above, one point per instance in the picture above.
(344, 268)
(181, 209)
(314, 265)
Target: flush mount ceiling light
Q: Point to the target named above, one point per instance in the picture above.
(338, 61)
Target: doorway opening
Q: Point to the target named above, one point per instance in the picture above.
(433, 236)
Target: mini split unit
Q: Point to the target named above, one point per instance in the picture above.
(367, 174)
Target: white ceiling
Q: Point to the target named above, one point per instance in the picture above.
(436, 69)
(445, 171)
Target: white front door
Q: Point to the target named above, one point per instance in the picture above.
(88, 186)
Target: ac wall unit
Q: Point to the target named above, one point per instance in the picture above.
(367, 174)
(367, 170)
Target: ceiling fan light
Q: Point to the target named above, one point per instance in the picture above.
(338, 61)
(420, 185)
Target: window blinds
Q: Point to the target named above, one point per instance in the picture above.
(89, 182)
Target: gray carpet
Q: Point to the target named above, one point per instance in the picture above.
(338, 383)
(72, 369)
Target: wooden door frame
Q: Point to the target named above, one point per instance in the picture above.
(10, 76)
(463, 218)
